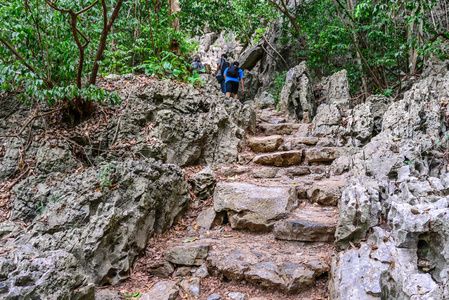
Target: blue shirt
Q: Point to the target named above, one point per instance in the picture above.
(232, 78)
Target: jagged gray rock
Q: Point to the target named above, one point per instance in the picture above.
(297, 97)
(164, 290)
(84, 227)
(54, 158)
(188, 255)
(197, 128)
(203, 183)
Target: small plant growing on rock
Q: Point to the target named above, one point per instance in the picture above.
(106, 174)
(131, 296)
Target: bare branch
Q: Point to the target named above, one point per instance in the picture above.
(86, 9)
(52, 5)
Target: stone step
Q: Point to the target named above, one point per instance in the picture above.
(326, 154)
(282, 128)
(253, 207)
(265, 143)
(267, 263)
(308, 224)
(326, 192)
(285, 158)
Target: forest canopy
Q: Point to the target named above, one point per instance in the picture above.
(53, 51)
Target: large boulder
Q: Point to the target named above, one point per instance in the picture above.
(250, 57)
(254, 207)
(199, 128)
(297, 97)
(96, 231)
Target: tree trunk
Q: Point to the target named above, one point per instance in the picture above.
(175, 8)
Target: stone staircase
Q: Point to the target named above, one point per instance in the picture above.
(282, 200)
(274, 213)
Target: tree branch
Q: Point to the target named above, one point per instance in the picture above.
(22, 59)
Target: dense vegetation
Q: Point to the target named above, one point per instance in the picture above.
(54, 51)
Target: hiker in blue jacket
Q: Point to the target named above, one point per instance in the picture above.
(232, 76)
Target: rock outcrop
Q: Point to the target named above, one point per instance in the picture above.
(84, 233)
(395, 207)
(297, 97)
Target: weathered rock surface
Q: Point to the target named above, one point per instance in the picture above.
(188, 255)
(80, 236)
(280, 129)
(209, 218)
(307, 224)
(250, 58)
(253, 207)
(327, 154)
(284, 158)
(327, 192)
(162, 269)
(265, 144)
(198, 128)
(396, 192)
(164, 290)
(203, 183)
(192, 286)
(297, 97)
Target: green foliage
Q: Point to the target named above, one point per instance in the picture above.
(106, 174)
(278, 84)
(131, 296)
(375, 40)
(39, 55)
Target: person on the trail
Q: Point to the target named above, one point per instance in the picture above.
(232, 76)
(198, 66)
(222, 64)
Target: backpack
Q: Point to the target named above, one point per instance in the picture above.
(225, 64)
(233, 72)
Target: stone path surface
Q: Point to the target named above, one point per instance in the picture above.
(272, 222)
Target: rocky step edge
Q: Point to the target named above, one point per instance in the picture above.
(259, 259)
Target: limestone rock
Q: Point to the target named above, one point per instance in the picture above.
(265, 144)
(162, 269)
(82, 231)
(253, 207)
(202, 271)
(326, 192)
(238, 296)
(322, 154)
(250, 57)
(359, 210)
(285, 158)
(335, 89)
(208, 218)
(365, 120)
(265, 172)
(297, 97)
(307, 224)
(105, 294)
(214, 297)
(188, 255)
(280, 129)
(203, 183)
(191, 286)
(8, 227)
(164, 290)
(54, 159)
(199, 128)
